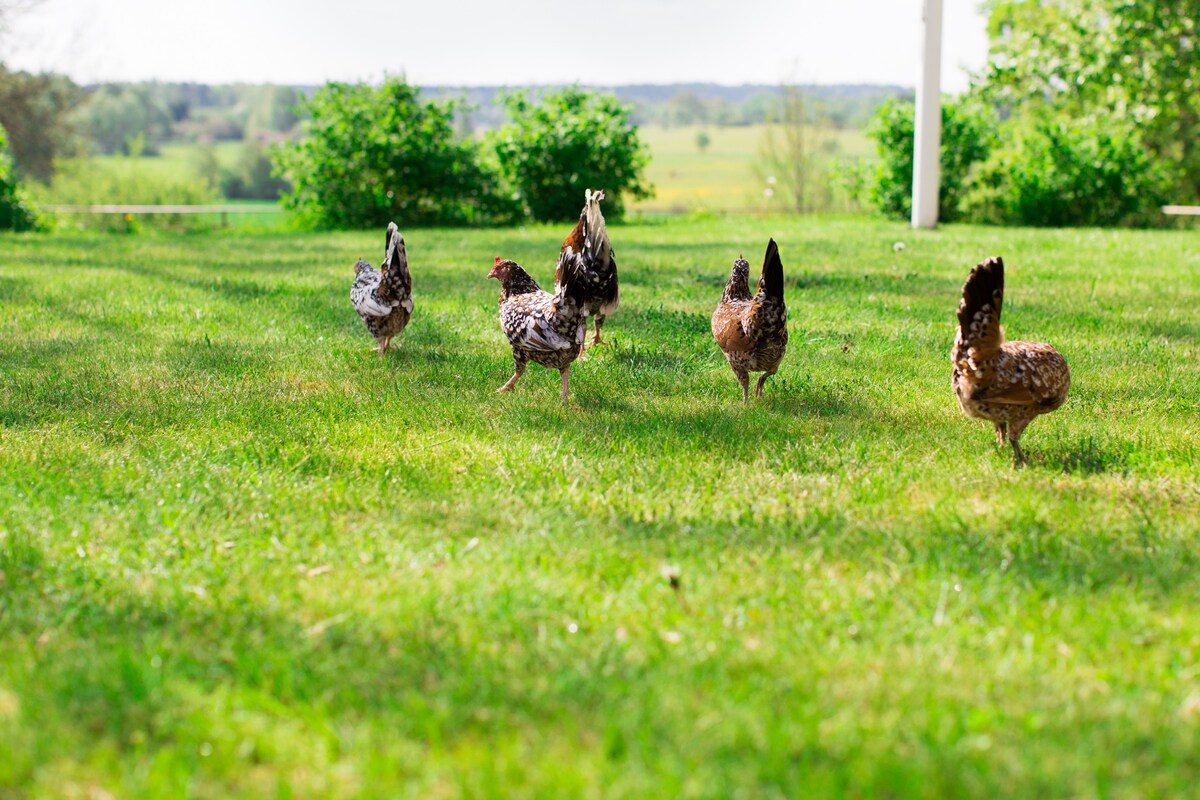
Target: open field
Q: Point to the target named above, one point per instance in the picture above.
(721, 178)
(242, 555)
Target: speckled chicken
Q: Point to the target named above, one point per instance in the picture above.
(587, 248)
(384, 298)
(1005, 383)
(752, 331)
(545, 328)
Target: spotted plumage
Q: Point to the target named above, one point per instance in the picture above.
(383, 298)
(752, 331)
(589, 253)
(545, 328)
(1005, 383)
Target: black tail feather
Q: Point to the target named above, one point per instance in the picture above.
(984, 286)
(772, 272)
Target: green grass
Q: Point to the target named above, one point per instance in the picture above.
(178, 162)
(241, 555)
(723, 176)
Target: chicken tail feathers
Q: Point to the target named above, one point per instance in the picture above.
(979, 311)
(596, 247)
(771, 281)
(392, 230)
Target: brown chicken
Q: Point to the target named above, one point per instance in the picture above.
(752, 331)
(588, 248)
(541, 327)
(1005, 383)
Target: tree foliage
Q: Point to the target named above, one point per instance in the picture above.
(37, 112)
(1136, 61)
(968, 136)
(567, 142)
(16, 214)
(117, 114)
(375, 154)
(1056, 171)
(1096, 117)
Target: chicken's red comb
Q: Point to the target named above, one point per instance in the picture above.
(498, 259)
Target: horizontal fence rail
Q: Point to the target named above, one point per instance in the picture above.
(1182, 211)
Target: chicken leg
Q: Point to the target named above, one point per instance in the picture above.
(743, 378)
(565, 372)
(511, 381)
(596, 339)
(1014, 433)
(758, 390)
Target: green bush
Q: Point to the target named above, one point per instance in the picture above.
(1062, 172)
(86, 181)
(371, 155)
(968, 135)
(16, 213)
(252, 176)
(567, 142)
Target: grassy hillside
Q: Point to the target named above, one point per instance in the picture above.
(242, 555)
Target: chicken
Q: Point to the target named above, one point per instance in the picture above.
(587, 246)
(384, 298)
(752, 331)
(1005, 383)
(545, 328)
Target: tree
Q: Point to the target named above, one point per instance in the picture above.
(570, 141)
(116, 114)
(789, 154)
(371, 155)
(1137, 60)
(37, 112)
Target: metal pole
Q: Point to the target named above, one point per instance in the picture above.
(928, 139)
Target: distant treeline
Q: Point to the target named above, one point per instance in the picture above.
(842, 106)
(119, 117)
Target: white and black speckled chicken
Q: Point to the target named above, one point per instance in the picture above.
(587, 247)
(545, 328)
(384, 298)
(752, 331)
(1005, 383)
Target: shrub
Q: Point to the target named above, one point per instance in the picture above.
(16, 213)
(85, 181)
(968, 135)
(376, 154)
(567, 142)
(1060, 172)
(251, 176)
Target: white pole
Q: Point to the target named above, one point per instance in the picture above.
(928, 138)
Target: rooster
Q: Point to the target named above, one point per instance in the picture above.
(384, 298)
(545, 328)
(752, 331)
(1005, 383)
(588, 249)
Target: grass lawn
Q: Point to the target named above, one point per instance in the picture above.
(241, 555)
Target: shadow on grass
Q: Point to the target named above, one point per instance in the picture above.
(1088, 457)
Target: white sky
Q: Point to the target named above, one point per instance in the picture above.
(508, 42)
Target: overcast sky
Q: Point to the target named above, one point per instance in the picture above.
(507, 42)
